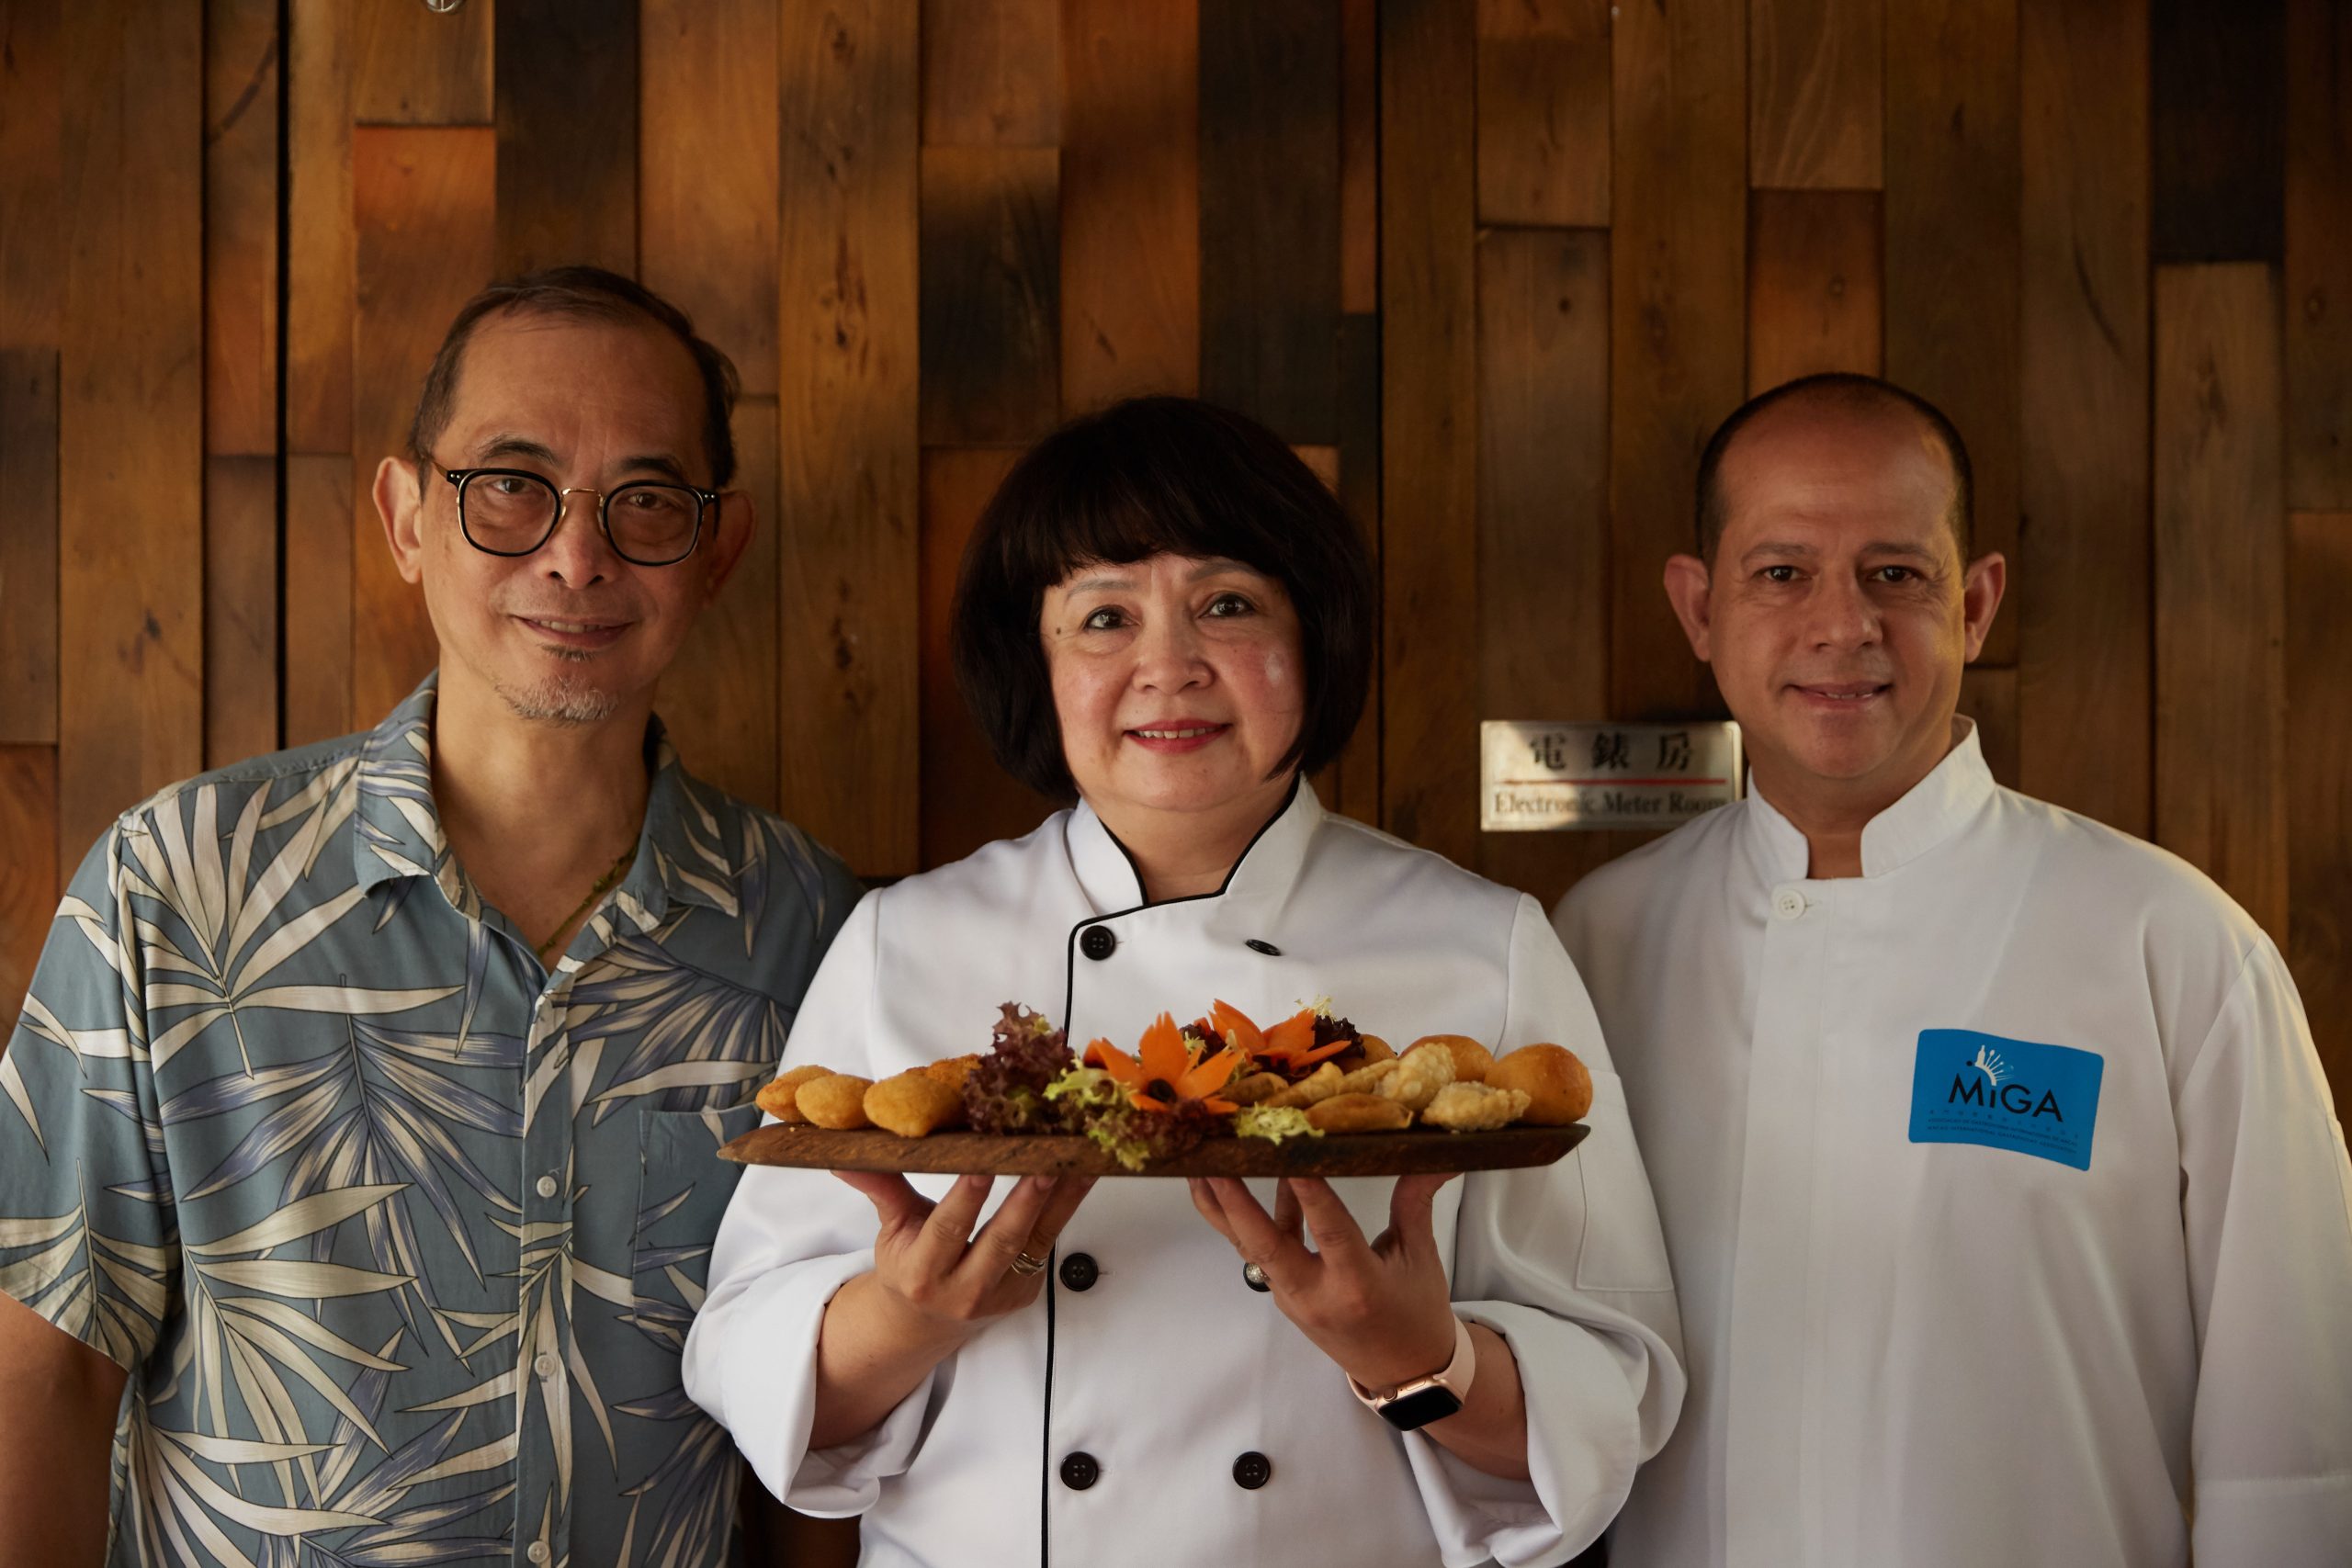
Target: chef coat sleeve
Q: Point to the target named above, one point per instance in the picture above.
(790, 1239)
(1567, 1263)
(2267, 1211)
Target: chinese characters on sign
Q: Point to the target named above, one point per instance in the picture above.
(1538, 776)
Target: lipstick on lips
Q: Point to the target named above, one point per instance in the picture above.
(1177, 735)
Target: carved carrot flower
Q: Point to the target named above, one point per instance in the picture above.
(1165, 1073)
(1288, 1047)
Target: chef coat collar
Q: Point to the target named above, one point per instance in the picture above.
(1267, 868)
(1933, 810)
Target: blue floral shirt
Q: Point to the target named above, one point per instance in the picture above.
(397, 1233)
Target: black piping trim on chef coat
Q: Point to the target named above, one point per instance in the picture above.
(1045, 1468)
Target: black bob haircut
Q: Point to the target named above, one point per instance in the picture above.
(1154, 475)
(1837, 389)
(580, 293)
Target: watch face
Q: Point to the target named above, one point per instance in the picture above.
(1410, 1411)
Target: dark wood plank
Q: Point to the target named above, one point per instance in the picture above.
(1270, 213)
(1130, 202)
(2079, 591)
(240, 91)
(31, 117)
(992, 72)
(131, 413)
(708, 195)
(1816, 78)
(319, 237)
(719, 697)
(967, 800)
(240, 608)
(28, 650)
(1953, 243)
(567, 133)
(1989, 695)
(319, 534)
(1544, 112)
(2318, 791)
(847, 568)
(29, 893)
(1813, 291)
(1069, 1154)
(413, 66)
(990, 295)
(1678, 273)
(2221, 581)
(1355, 792)
(1429, 767)
(425, 216)
(1359, 164)
(2219, 130)
(2319, 255)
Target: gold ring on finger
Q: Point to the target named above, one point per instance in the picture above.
(1024, 1264)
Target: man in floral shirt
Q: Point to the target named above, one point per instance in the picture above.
(360, 1130)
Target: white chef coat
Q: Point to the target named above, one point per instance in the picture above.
(1933, 1352)
(1153, 1356)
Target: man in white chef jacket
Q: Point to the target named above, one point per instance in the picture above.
(2006, 1207)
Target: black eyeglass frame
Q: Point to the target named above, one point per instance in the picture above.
(460, 478)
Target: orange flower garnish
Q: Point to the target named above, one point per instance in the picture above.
(1289, 1045)
(1165, 1073)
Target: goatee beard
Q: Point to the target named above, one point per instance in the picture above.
(561, 699)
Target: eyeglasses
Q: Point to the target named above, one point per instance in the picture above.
(510, 511)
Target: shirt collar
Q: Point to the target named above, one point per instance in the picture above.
(1930, 812)
(1266, 869)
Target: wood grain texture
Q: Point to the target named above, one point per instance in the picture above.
(1952, 242)
(28, 650)
(32, 114)
(1543, 69)
(567, 133)
(720, 697)
(2219, 137)
(2319, 254)
(1814, 293)
(1354, 790)
(1066, 1154)
(320, 243)
(317, 634)
(29, 893)
(240, 608)
(708, 198)
(2079, 589)
(1270, 213)
(2319, 772)
(1679, 277)
(1989, 695)
(1130, 201)
(426, 221)
(990, 295)
(1429, 779)
(847, 570)
(241, 217)
(412, 66)
(1359, 157)
(992, 73)
(1816, 80)
(2221, 581)
(130, 413)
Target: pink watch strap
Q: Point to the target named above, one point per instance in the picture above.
(1454, 1379)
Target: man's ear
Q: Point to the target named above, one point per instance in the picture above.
(729, 536)
(1980, 597)
(401, 506)
(1686, 589)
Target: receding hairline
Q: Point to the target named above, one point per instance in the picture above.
(1848, 393)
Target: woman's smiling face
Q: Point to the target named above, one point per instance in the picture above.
(1178, 681)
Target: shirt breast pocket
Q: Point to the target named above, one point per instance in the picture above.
(683, 1188)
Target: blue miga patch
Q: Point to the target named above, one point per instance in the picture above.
(1968, 1087)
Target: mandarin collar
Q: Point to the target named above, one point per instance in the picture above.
(1267, 870)
(1931, 811)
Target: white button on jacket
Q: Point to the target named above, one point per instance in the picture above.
(1168, 1368)
(2006, 1205)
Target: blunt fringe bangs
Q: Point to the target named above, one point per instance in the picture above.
(1146, 477)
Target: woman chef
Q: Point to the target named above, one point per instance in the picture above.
(1165, 611)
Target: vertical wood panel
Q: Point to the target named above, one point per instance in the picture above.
(2221, 581)
(412, 66)
(29, 651)
(1989, 696)
(847, 569)
(1677, 269)
(1356, 790)
(31, 116)
(318, 640)
(992, 72)
(1270, 213)
(990, 295)
(1952, 246)
(29, 893)
(2319, 254)
(720, 697)
(1130, 204)
(2219, 75)
(708, 189)
(2080, 597)
(1814, 293)
(1816, 79)
(131, 413)
(240, 608)
(319, 239)
(241, 54)
(567, 133)
(1544, 112)
(1359, 161)
(2319, 770)
(427, 220)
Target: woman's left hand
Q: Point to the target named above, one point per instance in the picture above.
(1381, 1309)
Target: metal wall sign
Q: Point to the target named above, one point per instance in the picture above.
(1534, 777)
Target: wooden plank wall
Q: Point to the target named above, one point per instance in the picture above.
(1494, 266)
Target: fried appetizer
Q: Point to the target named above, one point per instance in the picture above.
(776, 1096)
(1473, 1107)
(953, 1070)
(1558, 1088)
(1319, 1085)
(1256, 1090)
(1376, 1049)
(1471, 1059)
(1358, 1114)
(1420, 1073)
(1367, 1079)
(836, 1101)
(914, 1104)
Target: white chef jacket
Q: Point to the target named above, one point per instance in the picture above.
(1148, 1353)
(1925, 1350)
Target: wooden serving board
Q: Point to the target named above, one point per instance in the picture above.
(1415, 1150)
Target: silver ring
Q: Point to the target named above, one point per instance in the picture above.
(1024, 1265)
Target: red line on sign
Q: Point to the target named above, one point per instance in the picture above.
(1522, 783)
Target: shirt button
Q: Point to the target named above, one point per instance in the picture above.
(1252, 1470)
(1079, 1271)
(1255, 1278)
(536, 1551)
(1268, 948)
(545, 1365)
(1787, 904)
(1098, 943)
(546, 1187)
(1079, 1472)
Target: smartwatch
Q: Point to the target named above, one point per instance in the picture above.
(1412, 1405)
